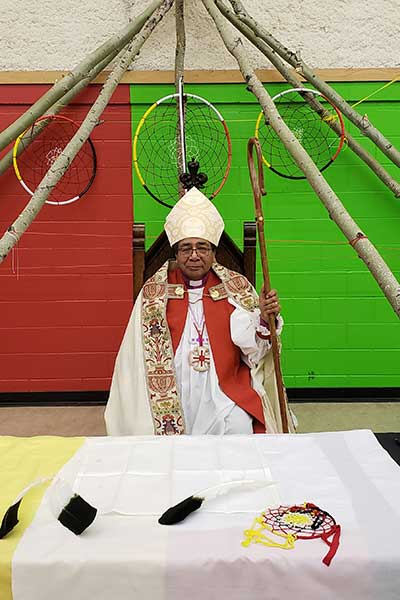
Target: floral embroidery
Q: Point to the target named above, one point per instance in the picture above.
(237, 287)
(164, 399)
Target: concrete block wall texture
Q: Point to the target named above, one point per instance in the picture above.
(66, 290)
(46, 35)
(340, 330)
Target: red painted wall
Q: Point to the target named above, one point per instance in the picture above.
(66, 291)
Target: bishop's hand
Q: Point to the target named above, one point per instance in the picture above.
(269, 304)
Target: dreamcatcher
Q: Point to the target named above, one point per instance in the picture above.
(205, 154)
(304, 522)
(310, 128)
(34, 153)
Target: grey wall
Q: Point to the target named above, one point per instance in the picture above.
(48, 35)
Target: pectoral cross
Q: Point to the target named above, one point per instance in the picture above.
(199, 358)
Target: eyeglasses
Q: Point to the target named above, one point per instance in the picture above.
(200, 250)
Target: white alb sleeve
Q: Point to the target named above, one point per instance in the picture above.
(244, 328)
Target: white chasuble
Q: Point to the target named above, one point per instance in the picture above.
(204, 406)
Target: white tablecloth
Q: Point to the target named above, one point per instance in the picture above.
(129, 556)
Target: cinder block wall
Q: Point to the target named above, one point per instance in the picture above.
(340, 329)
(66, 289)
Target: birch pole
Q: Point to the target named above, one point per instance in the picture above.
(360, 121)
(61, 164)
(30, 135)
(179, 77)
(64, 85)
(295, 81)
(337, 212)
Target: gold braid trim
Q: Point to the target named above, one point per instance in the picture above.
(237, 287)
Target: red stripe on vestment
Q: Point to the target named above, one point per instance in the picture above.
(233, 374)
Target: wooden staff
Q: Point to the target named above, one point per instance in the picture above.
(257, 183)
(180, 103)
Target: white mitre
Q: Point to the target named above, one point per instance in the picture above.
(194, 216)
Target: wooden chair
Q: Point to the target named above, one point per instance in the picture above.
(146, 263)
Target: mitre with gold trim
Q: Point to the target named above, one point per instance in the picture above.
(194, 216)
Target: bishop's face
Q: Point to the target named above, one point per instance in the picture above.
(195, 257)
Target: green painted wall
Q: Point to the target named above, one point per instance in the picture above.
(340, 330)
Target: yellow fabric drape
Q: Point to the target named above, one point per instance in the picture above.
(22, 460)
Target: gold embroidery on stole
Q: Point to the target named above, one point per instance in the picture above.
(165, 405)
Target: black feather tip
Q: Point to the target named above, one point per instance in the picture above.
(10, 519)
(180, 511)
(77, 515)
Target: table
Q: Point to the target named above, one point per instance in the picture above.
(130, 555)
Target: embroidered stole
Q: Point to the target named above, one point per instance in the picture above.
(164, 311)
(165, 405)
